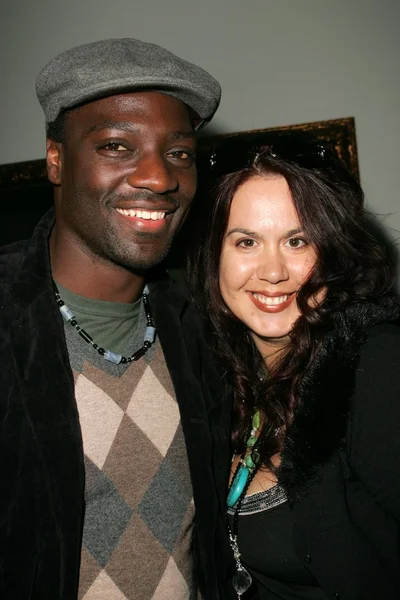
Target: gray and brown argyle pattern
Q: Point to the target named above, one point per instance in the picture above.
(139, 506)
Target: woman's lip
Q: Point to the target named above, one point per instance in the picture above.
(272, 308)
(270, 294)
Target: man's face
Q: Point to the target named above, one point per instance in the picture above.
(126, 178)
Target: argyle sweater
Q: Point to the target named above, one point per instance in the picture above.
(139, 507)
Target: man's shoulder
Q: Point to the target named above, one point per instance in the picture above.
(11, 257)
(16, 248)
(170, 284)
(172, 292)
(179, 287)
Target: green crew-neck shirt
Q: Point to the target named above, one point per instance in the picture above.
(111, 324)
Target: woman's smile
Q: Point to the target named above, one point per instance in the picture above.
(272, 304)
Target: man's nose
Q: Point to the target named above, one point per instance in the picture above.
(153, 172)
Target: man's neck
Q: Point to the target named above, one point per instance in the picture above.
(97, 280)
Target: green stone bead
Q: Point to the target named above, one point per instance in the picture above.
(249, 462)
(251, 441)
(256, 421)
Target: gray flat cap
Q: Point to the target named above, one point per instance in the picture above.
(109, 67)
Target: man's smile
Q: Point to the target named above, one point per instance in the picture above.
(154, 215)
(152, 221)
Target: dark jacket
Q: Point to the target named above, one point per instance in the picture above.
(41, 454)
(341, 460)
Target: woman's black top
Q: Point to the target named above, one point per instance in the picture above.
(266, 547)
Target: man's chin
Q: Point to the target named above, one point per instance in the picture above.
(142, 263)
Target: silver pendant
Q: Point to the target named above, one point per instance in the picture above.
(241, 580)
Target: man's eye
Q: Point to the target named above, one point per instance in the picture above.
(114, 147)
(182, 155)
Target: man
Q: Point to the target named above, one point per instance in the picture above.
(104, 423)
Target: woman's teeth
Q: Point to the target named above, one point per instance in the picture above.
(271, 301)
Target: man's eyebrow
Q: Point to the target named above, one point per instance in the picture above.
(182, 135)
(127, 126)
(131, 127)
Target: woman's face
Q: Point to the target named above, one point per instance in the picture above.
(265, 259)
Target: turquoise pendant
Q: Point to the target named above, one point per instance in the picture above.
(237, 486)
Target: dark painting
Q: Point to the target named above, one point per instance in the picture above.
(26, 193)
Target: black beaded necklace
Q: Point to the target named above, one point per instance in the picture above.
(149, 334)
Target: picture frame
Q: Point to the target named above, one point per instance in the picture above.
(339, 134)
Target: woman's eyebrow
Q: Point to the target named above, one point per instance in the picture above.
(289, 233)
(244, 232)
(294, 232)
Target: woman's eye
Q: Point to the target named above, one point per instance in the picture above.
(296, 243)
(247, 243)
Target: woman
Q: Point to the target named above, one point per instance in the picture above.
(297, 293)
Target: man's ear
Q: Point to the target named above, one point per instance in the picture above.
(54, 161)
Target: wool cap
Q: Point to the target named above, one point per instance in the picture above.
(114, 66)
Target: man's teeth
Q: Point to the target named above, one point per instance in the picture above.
(152, 215)
(271, 301)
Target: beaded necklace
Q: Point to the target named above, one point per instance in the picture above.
(149, 334)
(243, 476)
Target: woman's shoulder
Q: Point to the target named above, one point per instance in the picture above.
(378, 371)
(370, 314)
(380, 352)
(375, 415)
(364, 329)
(377, 383)
(376, 398)
(374, 441)
(382, 342)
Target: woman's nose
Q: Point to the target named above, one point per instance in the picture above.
(273, 268)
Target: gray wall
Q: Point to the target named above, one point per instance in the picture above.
(279, 62)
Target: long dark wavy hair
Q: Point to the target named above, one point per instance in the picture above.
(351, 266)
